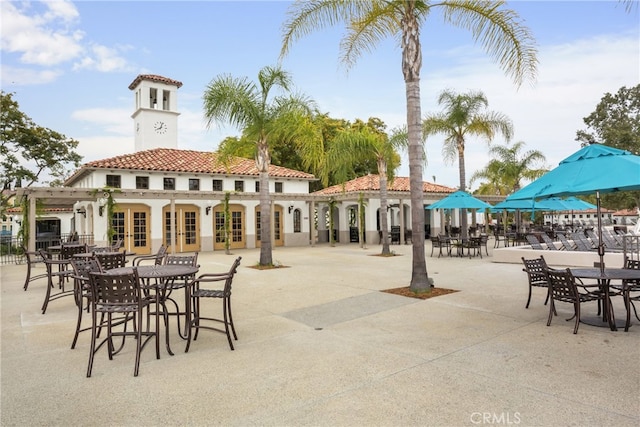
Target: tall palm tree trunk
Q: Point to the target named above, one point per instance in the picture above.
(262, 162)
(411, 65)
(463, 186)
(382, 171)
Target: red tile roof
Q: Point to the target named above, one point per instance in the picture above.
(154, 78)
(627, 212)
(372, 183)
(186, 161)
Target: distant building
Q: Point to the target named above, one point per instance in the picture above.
(167, 196)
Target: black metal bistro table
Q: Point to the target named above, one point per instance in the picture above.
(161, 274)
(604, 278)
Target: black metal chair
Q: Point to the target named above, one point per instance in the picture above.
(57, 271)
(155, 259)
(167, 287)
(34, 258)
(630, 291)
(440, 242)
(82, 267)
(120, 294)
(198, 293)
(484, 242)
(395, 234)
(111, 260)
(535, 269)
(564, 287)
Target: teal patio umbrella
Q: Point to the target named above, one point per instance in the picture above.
(595, 168)
(459, 200)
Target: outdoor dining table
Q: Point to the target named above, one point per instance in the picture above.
(604, 278)
(152, 274)
(470, 243)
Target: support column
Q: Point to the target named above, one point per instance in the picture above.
(401, 221)
(312, 229)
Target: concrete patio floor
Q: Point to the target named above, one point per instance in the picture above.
(319, 345)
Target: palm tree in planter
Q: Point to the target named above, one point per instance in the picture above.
(499, 30)
(358, 142)
(464, 116)
(262, 116)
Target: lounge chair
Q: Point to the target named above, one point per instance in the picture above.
(534, 242)
(581, 242)
(567, 245)
(551, 245)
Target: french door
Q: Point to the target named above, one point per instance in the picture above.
(131, 223)
(187, 228)
(237, 239)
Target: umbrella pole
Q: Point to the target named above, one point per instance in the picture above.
(600, 242)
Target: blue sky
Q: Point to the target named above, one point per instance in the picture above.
(70, 64)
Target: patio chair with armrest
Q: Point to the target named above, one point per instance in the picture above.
(199, 293)
(536, 276)
(82, 267)
(167, 287)
(630, 290)
(439, 242)
(34, 258)
(111, 260)
(564, 287)
(155, 259)
(499, 236)
(58, 270)
(484, 242)
(120, 294)
(473, 246)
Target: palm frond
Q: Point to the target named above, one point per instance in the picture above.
(501, 32)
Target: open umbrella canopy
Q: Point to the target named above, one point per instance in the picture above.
(595, 167)
(549, 204)
(572, 204)
(459, 200)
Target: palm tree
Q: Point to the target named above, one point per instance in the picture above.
(357, 142)
(369, 21)
(508, 167)
(464, 116)
(250, 107)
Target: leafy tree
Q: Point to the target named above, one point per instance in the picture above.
(24, 143)
(616, 123)
(464, 116)
(263, 117)
(368, 22)
(508, 168)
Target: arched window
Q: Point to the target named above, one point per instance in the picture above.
(297, 221)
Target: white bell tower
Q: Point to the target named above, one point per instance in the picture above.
(156, 112)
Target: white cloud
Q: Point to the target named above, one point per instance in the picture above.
(573, 77)
(48, 38)
(103, 59)
(39, 38)
(111, 120)
(10, 76)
